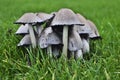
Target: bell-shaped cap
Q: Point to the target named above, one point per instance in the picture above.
(23, 29)
(81, 18)
(82, 29)
(95, 33)
(44, 16)
(44, 37)
(75, 42)
(54, 39)
(25, 41)
(65, 17)
(29, 18)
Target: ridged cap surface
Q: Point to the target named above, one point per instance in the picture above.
(65, 17)
(29, 18)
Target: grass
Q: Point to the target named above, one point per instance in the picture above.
(104, 64)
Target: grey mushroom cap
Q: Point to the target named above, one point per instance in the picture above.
(23, 29)
(95, 33)
(29, 18)
(54, 39)
(48, 37)
(81, 18)
(42, 41)
(82, 29)
(75, 42)
(25, 41)
(44, 16)
(65, 17)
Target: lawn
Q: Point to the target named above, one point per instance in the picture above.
(104, 64)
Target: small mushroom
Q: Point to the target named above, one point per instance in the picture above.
(30, 19)
(23, 29)
(25, 41)
(49, 38)
(84, 32)
(75, 43)
(95, 33)
(65, 18)
(44, 37)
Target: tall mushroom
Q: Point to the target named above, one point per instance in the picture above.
(65, 18)
(30, 19)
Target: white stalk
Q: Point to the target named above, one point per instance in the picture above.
(32, 36)
(79, 54)
(65, 40)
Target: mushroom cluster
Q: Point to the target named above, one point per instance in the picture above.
(59, 33)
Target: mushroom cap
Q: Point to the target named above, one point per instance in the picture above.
(44, 16)
(65, 17)
(82, 29)
(48, 37)
(95, 33)
(54, 39)
(23, 29)
(25, 41)
(81, 18)
(44, 37)
(29, 18)
(75, 42)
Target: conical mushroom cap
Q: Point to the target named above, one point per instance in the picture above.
(53, 39)
(65, 17)
(29, 18)
(81, 18)
(44, 16)
(25, 41)
(44, 37)
(75, 42)
(82, 29)
(23, 29)
(95, 33)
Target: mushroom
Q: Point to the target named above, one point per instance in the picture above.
(65, 18)
(84, 32)
(25, 41)
(54, 42)
(95, 33)
(30, 19)
(23, 29)
(49, 38)
(75, 44)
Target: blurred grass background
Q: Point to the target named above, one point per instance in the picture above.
(103, 65)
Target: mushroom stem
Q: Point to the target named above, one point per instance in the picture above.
(32, 36)
(79, 54)
(55, 52)
(49, 51)
(86, 47)
(65, 40)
